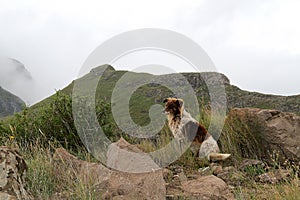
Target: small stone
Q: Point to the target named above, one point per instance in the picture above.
(176, 181)
(251, 163)
(204, 171)
(267, 178)
(275, 176)
(229, 169)
(182, 177)
(232, 176)
(217, 169)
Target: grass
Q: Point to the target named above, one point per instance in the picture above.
(42, 180)
(283, 191)
(44, 184)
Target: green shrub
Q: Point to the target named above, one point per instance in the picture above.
(53, 123)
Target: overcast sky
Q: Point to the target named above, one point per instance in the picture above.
(255, 43)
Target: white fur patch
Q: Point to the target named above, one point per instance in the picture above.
(208, 146)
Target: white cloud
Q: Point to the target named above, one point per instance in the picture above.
(272, 26)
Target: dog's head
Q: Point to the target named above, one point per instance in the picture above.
(173, 106)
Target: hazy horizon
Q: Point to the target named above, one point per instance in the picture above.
(254, 43)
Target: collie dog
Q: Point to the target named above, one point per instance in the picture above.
(184, 126)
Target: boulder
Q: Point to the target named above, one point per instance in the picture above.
(126, 157)
(278, 133)
(207, 187)
(13, 175)
(109, 183)
(197, 186)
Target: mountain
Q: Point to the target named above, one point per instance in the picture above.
(16, 78)
(9, 103)
(145, 96)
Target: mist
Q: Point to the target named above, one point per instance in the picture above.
(16, 79)
(254, 43)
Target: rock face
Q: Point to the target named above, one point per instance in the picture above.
(12, 175)
(16, 78)
(277, 132)
(9, 103)
(110, 184)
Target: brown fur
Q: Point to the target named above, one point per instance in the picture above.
(183, 126)
(174, 108)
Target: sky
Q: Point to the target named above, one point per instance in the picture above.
(255, 43)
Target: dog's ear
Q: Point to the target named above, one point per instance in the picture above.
(179, 102)
(165, 100)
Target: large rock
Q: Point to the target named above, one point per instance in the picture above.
(109, 184)
(196, 186)
(12, 175)
(277, 132)
(126, 157)
(207, 187)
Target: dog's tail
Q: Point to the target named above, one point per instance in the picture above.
(218, 156)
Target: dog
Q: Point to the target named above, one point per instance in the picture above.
(184, 127)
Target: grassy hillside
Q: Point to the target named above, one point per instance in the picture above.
(150, 94)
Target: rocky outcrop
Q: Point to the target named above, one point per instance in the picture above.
(278, 133)
(206, 78)
(237, 98)
(15, 78)
(12, 175)
(109, 184)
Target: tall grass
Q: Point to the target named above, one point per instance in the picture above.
(283, 191)
(239, 140)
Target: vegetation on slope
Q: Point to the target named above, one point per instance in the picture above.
(38, 130)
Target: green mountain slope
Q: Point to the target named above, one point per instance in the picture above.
(147, 95)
